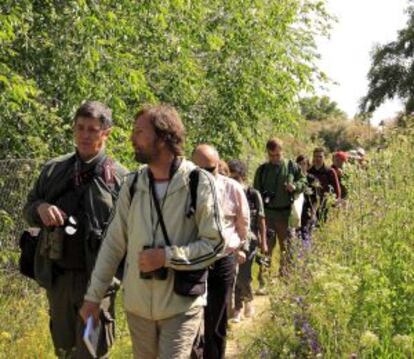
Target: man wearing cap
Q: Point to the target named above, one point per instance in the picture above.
(339, 159)
(71, 203)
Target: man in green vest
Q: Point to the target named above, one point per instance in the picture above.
(278, 181)
(71, 203)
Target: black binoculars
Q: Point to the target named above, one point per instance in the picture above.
(160, 273)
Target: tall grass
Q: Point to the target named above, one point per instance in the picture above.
(24, 322)
(352, 295)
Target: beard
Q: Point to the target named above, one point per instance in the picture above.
(146, 155)
(141, 157)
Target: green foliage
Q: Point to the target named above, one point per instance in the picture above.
(320, 108)
(352, 294)
(344, 135)
(392, 71)
(226, 67)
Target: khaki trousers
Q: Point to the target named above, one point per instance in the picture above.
(170, 338)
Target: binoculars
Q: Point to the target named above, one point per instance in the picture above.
(160, 273)
(56, 237)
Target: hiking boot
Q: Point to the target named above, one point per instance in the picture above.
(249, 310)
(261, 291)
(236, 316)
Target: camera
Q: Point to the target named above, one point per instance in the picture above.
(71, 225)
(263, 261)
(267, 197)
(160, 273)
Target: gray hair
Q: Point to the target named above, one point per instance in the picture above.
(95, 109)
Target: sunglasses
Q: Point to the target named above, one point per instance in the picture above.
(71, 226)
(209, 169)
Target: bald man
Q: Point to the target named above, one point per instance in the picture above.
(221, 276)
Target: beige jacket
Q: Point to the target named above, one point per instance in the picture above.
(196, 243)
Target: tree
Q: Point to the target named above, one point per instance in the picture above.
(320, 108)
(392, 70)
(226, 67)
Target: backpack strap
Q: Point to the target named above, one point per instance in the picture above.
(193, 184)
(260, 178)
(251, 195)
(132, 187)
(108, 171)
(120, 270)
(290, 167)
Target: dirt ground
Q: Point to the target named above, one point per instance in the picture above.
(240, 332)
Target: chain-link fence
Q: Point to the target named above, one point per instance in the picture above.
(16, 179)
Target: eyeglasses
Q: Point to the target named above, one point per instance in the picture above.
(209, 169)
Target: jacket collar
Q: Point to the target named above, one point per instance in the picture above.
(179, 180)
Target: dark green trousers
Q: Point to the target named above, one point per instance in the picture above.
(66, 326)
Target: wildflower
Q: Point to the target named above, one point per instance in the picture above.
(369, 339)
(404, 342)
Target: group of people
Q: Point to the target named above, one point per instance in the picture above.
(179, 236)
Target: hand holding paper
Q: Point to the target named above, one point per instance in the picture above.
(91, 335)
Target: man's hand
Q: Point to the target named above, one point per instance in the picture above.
(51, 215)
(290, 187)
(90, 308)
(241, 257)
(151, 259)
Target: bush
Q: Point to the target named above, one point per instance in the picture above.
(339, 134)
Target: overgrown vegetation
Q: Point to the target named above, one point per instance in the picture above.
(344, 134)
(351, 296)
(227, 68)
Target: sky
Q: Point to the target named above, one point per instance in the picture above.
(345, 57)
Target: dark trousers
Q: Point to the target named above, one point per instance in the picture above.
(66, 326)
(220, 285)
(243, 291)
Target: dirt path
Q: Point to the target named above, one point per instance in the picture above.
(239, 332)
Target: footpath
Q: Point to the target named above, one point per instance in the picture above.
(240, 333)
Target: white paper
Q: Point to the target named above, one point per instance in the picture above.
(91, 336)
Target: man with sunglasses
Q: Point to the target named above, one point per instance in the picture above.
(71, 203)
(222, 273)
